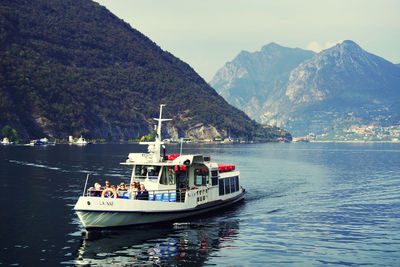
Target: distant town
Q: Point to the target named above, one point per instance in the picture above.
(363, 133)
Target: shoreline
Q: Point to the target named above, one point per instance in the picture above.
(352, 141)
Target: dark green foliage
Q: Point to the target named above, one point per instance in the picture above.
(148, 137)
(10, 133)
(72, 67)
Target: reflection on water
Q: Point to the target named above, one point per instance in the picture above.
(179, 244)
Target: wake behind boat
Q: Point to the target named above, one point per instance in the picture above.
(171, 187)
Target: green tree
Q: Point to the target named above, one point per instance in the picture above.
(151, 136)
(10, 133)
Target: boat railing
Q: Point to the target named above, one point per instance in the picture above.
(177, 195)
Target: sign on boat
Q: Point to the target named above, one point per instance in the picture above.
(162, 188)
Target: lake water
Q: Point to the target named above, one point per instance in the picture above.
(307, 204)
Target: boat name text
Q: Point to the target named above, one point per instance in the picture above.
(105, 203)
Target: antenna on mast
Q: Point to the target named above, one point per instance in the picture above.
(158, 142)
(155, 147)
(160, 120)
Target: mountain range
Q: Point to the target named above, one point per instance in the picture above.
(313, 93)
(71, 67)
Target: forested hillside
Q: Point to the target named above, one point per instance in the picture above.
(70, 67)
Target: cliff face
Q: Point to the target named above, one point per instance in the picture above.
(338, 87)
(345, 70)
(72, 67)
(252, 80)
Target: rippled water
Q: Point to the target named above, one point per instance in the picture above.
(307, 204)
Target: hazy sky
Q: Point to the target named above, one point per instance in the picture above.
(208, 33)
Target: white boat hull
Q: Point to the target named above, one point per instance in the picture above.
(110, 217)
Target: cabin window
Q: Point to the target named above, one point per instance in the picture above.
(227, 186)
(201, 177)
(232, 182)
(141, 171)
(237, 183)
(181, 179)
(153, 171)
(199, 180)
(214, 178)
(221, 187)
(168, 176)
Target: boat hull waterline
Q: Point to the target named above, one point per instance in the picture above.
(92, 219)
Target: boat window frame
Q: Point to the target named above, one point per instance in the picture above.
(227, 186)
(214, 177)
(185, 182)
(168, 175)
(236, 183)
(232, 184)
(138, 172)
(221, 187)
(203, 174)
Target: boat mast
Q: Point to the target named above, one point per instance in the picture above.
(155, 147)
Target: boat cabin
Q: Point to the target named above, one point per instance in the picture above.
(171, 177)
(174, 178)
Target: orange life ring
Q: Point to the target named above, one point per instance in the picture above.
(106, 193)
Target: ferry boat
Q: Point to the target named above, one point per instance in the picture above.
(172, 187)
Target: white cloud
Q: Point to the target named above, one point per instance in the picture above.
(329, 44)
(316, 47)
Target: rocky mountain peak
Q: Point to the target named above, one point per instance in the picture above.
(251, 78)
(344, 67)
(346, 49)
(242, 55)
(349, 43)
(307, 92)
(271, 48)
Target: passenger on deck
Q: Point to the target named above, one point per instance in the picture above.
(107, 185)
(122, 186)
(114, 188)
(144, 171)
(121, 190)
(134, 189)
(171, 176)
(142, 194)
(97, 186)
(96, 190)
